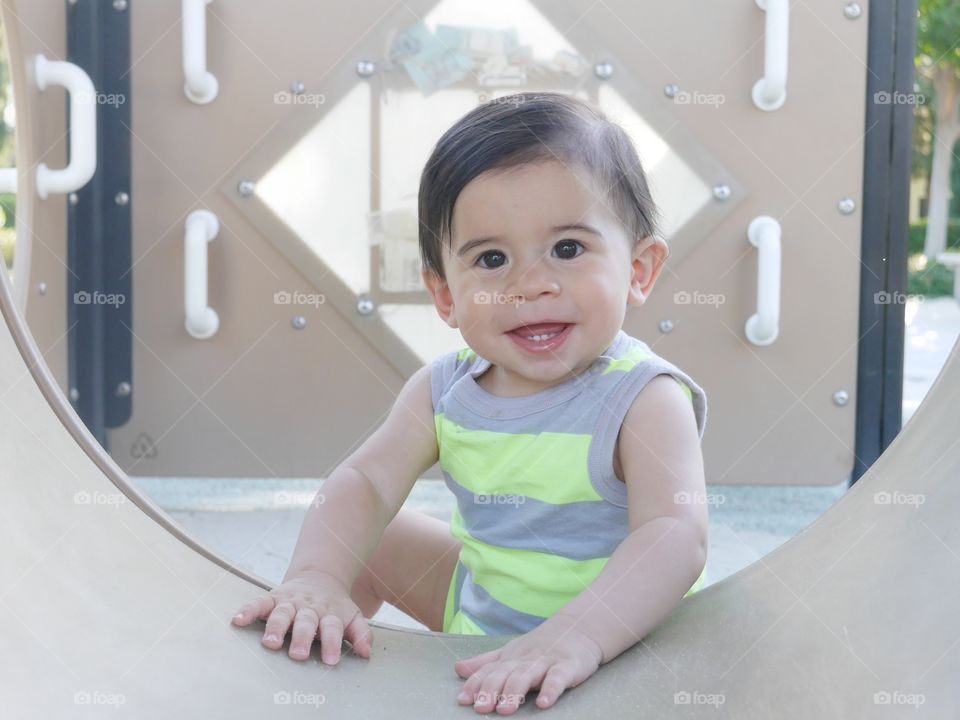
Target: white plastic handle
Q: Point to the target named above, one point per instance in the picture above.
(200, 86)
(763, 327)
(770, 91)
(202, 320)
(83, 126)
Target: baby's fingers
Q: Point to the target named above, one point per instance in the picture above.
(254, 610)
(304, 631)
(277, 624)
(359, 635)
(331, 635)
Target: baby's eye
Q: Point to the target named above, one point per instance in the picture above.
(567, 249)
(498, 258)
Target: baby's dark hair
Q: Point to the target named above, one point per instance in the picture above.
(526, 128)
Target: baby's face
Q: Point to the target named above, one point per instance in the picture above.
(538, 245)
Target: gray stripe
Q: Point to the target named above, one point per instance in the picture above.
(579, 530)
(610, 420)
(578, 416)
(498, 619)
(452, 384)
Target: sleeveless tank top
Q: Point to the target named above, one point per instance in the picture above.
(539, 509)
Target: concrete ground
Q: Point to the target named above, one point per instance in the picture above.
(255, 523)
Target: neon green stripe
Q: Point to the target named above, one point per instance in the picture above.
(463, 625)
(448, 608)
(511, 587)
(533, 582)
(547, 466)
(465, 353)
(627, 362)
(699, 584)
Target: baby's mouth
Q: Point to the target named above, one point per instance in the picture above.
(540, 332)
(541, 337)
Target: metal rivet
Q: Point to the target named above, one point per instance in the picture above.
(74, 394)
(364, 306)
(299, 322)
(365, 68)
(119, 4)
(721, 191)
(42, 288)
(122, 390)
(246, 187)
(296, 88)
(121, 198)
(852, 10)
(671, 90)
(847, 205)
(603, 70)
(841, 398)
(73, 198)
(666, 326)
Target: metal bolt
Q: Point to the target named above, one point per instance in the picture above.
(365, 68)
(852, 10)
(42, 288)
(74, 394)
(73, 198)
(671, 90)
(123, 389)
(846, 206)
(841, 398)
(299, 322)
(603, 70)
(666, 326)
(246, 187)
(121, 198)
(721, 191)
(296, 88)
(364, 306)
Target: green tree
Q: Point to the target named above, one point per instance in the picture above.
(8, 201)
(938, 61)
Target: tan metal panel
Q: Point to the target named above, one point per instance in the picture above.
(267, 385)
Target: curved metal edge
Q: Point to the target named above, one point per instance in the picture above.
(65, 413)
(58, 402)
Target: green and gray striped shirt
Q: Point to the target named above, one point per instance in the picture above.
(540, 509)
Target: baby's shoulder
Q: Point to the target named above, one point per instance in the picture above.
(632, 365)
(449, 367)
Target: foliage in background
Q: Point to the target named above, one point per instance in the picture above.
(924, 276)
(938, 68)
(928, 277)
(920, 162)
(8, 201)
(918, 231)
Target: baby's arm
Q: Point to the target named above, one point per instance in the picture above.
(342, 529)
(364, 493)
(652, 569)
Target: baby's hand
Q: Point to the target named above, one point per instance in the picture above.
(553, 656)
(309, 600)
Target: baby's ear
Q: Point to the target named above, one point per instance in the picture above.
(442, 297)
(648, 258)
